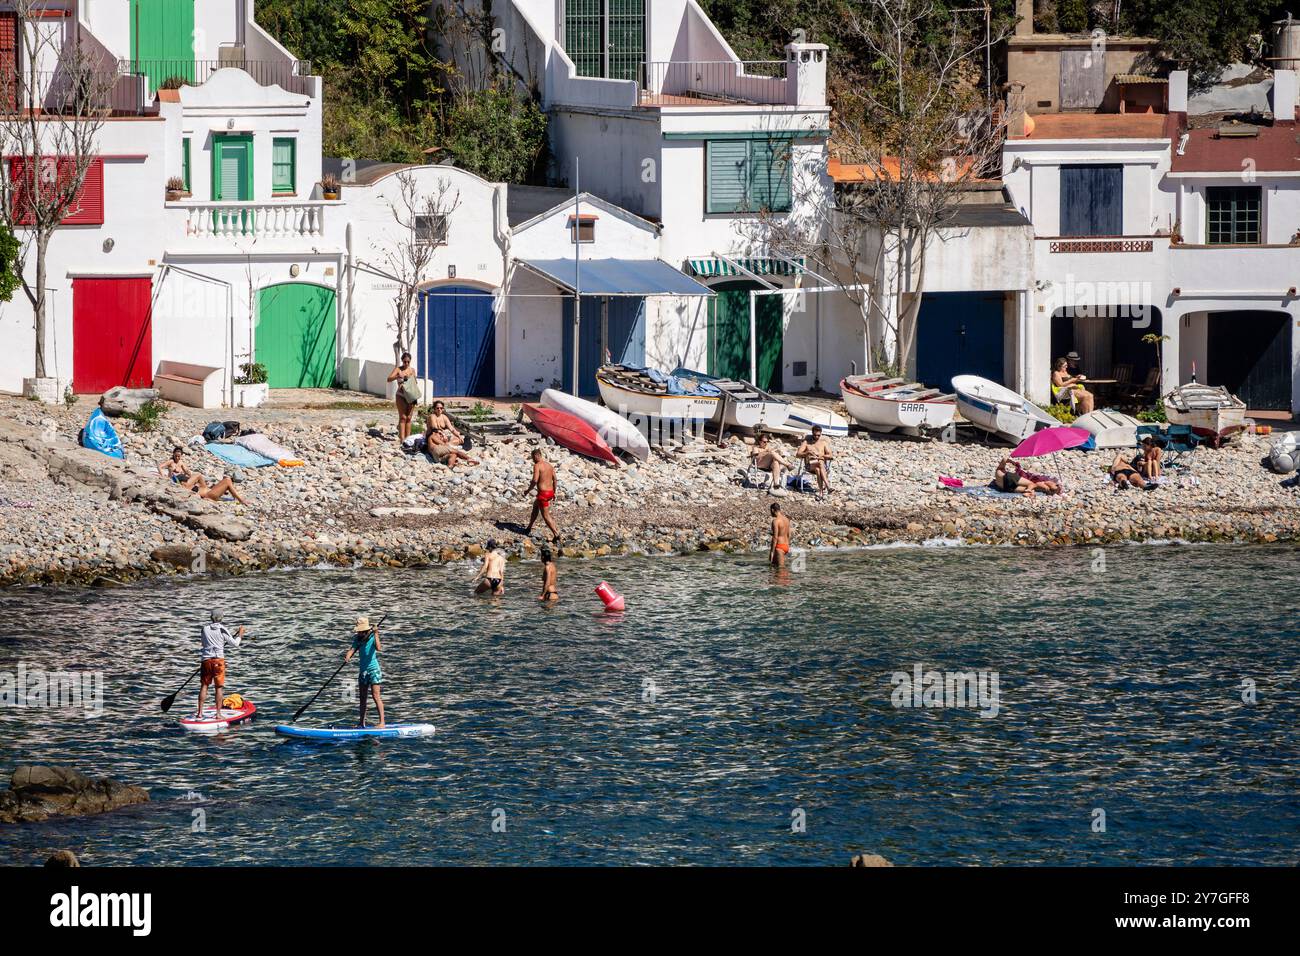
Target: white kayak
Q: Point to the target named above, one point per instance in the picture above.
(616, 431)
(214, 720)
(354, 733)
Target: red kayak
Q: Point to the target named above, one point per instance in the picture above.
(570, 431)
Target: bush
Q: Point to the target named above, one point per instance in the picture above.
(253, 373)
(1061, 412)
(499, 135)
(149, 417)
(1153, 415)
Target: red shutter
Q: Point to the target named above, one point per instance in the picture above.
(89, 207)
(9, 59)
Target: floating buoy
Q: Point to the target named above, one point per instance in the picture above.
(612, 600)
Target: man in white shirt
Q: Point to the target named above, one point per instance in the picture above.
(215, 636)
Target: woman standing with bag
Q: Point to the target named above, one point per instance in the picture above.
(408, 394)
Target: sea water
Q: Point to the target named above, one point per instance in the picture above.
(933, 705)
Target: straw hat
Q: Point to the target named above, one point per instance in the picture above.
(363, 623)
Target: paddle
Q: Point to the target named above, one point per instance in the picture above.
(169, 700)
(299, 712)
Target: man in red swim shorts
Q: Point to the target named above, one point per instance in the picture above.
(780, 537)
(544, 482)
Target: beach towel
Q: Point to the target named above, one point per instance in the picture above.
(261, 445)
(238, 455)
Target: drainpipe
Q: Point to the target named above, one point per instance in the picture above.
(753, 336)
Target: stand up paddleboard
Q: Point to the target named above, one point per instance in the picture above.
(354, 733)
(214, 720)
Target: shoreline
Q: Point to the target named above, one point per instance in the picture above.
(360, 502)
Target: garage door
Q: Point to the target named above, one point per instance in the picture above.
(1249, 354)
(729, 334)
(612, 329)
(112, 338)
(959, 333)
(295, 335)
(456, 340)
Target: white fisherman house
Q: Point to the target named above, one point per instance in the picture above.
(1163, 223)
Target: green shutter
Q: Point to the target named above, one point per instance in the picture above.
(728, 175)
(162, 39)
(769, 179)
(185, 162)
(232, 168)
(283, 173)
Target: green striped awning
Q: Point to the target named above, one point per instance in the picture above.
(760, 267)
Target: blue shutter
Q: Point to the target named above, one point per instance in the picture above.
(1092, 200)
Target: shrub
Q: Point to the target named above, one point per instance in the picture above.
(1061, 412)
(252, 373)
(497, 134)
(149, 417)
(1153, 415)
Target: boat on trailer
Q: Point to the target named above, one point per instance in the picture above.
(743, 405)
(998, 410)
(633, 390)
(884, 404)
(1209, 407)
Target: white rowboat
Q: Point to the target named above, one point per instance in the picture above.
(1211, 407)
(891, 404)
(743, 405)
(1109, 428)
(998, 410)
(649, 392)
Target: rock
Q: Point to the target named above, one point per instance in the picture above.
(179, 555)
(869, 859)
(63, 858)
(38, 792)
(126, 401)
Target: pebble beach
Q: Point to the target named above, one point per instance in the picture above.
(71, 515)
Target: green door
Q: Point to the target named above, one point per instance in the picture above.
(232, 181)
(295, 335)
(729, 334)
(162, 40)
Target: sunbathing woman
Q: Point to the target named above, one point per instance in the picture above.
(1009, 478)
(1148, 460)
(217, 491)
(1123, 473)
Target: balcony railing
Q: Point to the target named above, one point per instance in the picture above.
(68, 93)
(247, 221)
(292, 75)
(683, 82)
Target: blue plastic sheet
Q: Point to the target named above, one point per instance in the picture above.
(100, 435)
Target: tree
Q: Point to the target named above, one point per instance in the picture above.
(422, 222)
(1203, 36)
(497, 134)
(49, 124)
(914, 119)
(10, 250)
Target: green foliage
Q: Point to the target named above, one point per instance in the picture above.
(498, 135)
(1203, 36)
(149, 417)
(253, 373)
(10, 251)
(1061, 412)
(69, 397)
(1153, 415)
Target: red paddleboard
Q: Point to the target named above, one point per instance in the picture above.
(570, 431)
(214, 720)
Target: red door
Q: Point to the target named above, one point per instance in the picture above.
(112, 342)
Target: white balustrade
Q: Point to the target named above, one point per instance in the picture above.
(248, 221)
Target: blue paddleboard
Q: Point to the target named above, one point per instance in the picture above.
(355, 733)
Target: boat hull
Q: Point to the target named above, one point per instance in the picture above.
(626, 401)
(802, 418)
(1209, 407)
(895, 413)
(615, 430)
(570, 431)
(998, 410)
(1109, 429)
(763, 411)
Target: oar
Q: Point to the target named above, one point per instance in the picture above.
(294, 719)
(168, 701)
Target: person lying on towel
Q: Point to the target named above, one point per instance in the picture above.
(1009, 478)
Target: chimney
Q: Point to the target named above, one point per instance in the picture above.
(805, 73)
(1284, 96)
(1025, 23)
(1178, 91)
(1015, 109)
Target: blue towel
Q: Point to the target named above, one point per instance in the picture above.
(238, 455)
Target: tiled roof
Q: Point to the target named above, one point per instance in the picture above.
(1133, 79)
(1274, 149)
(1096, 126)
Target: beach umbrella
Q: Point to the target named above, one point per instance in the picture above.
(1051, 440)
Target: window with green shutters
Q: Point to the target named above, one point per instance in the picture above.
(283, 161)
(185, 162)
(748, 175)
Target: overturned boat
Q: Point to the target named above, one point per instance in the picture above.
(1109, 428)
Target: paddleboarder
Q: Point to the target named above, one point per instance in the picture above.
(366, 645)
(214, 637)
(544, 482)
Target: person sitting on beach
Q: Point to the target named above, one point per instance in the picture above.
(815, 450)
(366, 645)
(179, 472)
(780, 537)
(1064, 385)
(766, 458)
(1123, 473)
(438, 428)
(1009, 478)
(446, 455)
(544, 482)
(1149, 458)
(401, 374)
(549, 593)
(492, 575)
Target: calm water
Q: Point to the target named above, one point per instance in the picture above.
(697, 726)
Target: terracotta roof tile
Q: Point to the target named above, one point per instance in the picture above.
(1274, 150)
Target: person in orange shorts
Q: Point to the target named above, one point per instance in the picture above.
(544, 482)
(780, 537)
(215, 637)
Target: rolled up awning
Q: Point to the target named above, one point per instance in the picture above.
(630, 277)
(759, 267)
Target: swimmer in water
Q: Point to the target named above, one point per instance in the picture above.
(492, 575)
(549, 593)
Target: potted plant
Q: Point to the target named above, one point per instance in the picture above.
(175, 189)
(250, 386)
(1176, 233)
(329, 186)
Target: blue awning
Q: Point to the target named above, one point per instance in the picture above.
(633, 277)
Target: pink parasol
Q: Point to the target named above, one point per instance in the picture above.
(1051, 440)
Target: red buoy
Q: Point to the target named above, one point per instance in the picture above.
(612, 600)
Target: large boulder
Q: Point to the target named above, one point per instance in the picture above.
(869, 859)
(121, 400)
(37, 793)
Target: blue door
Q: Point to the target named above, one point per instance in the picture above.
(612, 330)
(959, 333)
(456, 340)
